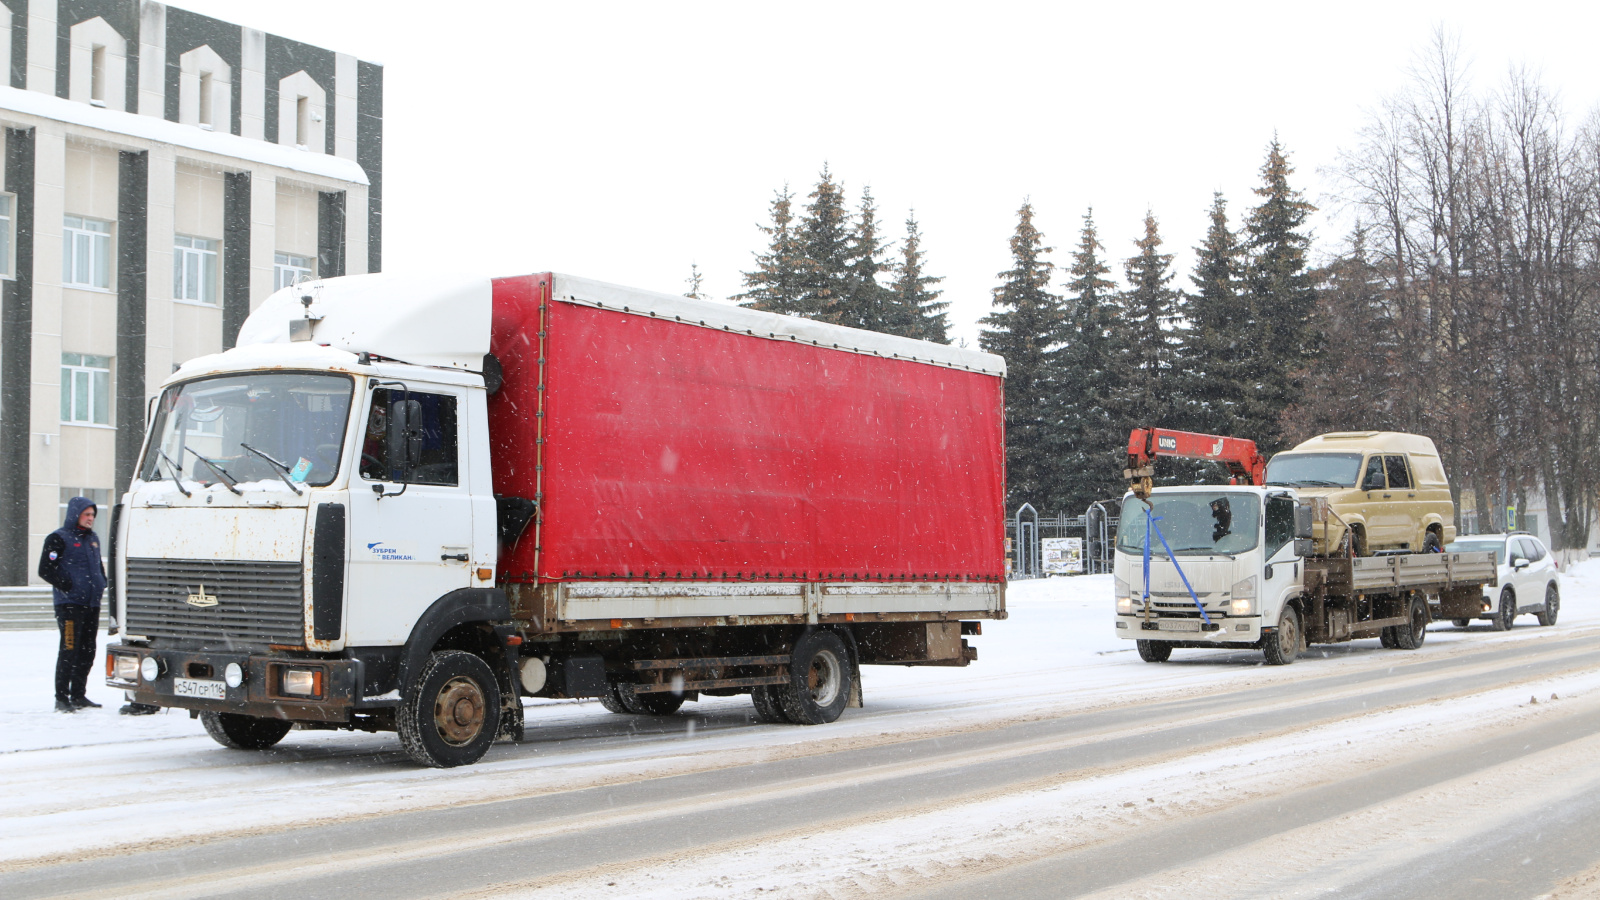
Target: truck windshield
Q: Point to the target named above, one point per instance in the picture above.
(1195, 523)
(1314, 469)
(244, 425)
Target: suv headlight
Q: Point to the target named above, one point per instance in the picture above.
(1244, 597)
(1119, 589)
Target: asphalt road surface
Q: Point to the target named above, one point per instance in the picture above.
(1426, 776)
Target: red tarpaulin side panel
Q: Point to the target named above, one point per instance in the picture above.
(679, 451)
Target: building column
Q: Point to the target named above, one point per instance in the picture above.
(330, 233)
(236, 253)
(16, 355)
(44, 457)
(162, 163)
(133, 260)
(42, 46)
(263, 234)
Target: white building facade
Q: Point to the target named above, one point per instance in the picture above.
(161, 172)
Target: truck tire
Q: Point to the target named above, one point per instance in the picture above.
(769, 709)
(1358, 541)
(1507, 613)
(819, 680)
(612, 699)
(1411, 635)
(1387, 639)
(1552, 605)
(1461, 623)
(1431, 542)
(238, 732)
(1154, 651)
(450, 713)
(1282, 647)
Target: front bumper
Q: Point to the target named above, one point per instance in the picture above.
(260, 694)
(1191, 629)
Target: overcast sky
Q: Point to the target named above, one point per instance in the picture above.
(626, 141)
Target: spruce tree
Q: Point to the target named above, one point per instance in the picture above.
(696, 283)
(776, 285)
(1025, 328)
(866, 303)
(918, 310)
(1217, 360)
(825, 244)
(1281, 293)
(1149, 316)
(1091, 438)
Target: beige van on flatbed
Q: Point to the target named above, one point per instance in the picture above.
(1374, 491)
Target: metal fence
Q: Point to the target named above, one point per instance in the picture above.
(1027, 530)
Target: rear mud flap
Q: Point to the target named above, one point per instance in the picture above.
(855, 688)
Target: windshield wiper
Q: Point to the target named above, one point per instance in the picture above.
(1212, 550)
(176, 475)
(283, 470)
(1314, 482)
(227, 479)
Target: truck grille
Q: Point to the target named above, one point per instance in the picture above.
(252, 602)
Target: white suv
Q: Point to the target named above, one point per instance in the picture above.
(1529, 579)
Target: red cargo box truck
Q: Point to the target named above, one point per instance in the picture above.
(406, 503)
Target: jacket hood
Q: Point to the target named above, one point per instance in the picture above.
(75, 508)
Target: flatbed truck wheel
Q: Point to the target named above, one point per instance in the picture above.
(612, 699)
(238, 732)
(1461, 623)
(1282, 647)
(1386, 638)
(653, 704)
(819, 680)
(1154, 651)
(1410, 635)
(450, 712)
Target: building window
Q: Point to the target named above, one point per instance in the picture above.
(97, 75)
(302, 121)
(205, 99)
(194, 269)
(289, 270)
(86, 253)
(85, 389)
(5, 236)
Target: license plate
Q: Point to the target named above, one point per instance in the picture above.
(209, 690)
(1180, 625)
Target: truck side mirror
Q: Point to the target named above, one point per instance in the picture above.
(403, 438)
(1303, 521)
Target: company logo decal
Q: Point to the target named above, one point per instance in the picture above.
(1167, 443)
(202, 599)
(387, 551)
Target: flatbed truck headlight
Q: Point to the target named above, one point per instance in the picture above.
(150, 668)
(1124, 596)
(233, 675)
(1244, 597)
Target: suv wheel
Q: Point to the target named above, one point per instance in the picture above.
(1507, 612)
(1552, 605)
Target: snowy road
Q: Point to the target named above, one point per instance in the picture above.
(1057, 765)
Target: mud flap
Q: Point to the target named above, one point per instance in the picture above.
(511, 721)
(855, 686)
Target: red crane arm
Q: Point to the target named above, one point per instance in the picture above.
(1244, 462)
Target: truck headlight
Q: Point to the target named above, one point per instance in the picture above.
(124, 667)
(1244, 597)
(1119, 589)
(233, 675)
(150, 668)
(302, 682)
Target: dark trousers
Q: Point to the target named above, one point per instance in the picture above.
(80, 630)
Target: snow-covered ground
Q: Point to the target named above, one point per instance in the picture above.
(151, 781)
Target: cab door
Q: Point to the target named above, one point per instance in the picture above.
(411, 531)
(1402, 515)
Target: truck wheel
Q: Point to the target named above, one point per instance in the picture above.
(1552, 605)
(653, 704)
(1282, 647)
(819, 680)
(1154, 651)
(1386, 638)
(238, 732)
(1461, 623)
(1431, 544)
(1410, 635)
(1358, 541)
(1507, 613)
(769, 709)
(450, 712)
(612, 699)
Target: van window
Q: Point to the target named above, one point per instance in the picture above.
(1372, 480)
(1399, 474)
(1428, 471)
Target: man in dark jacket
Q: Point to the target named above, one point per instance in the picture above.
(70, 562)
